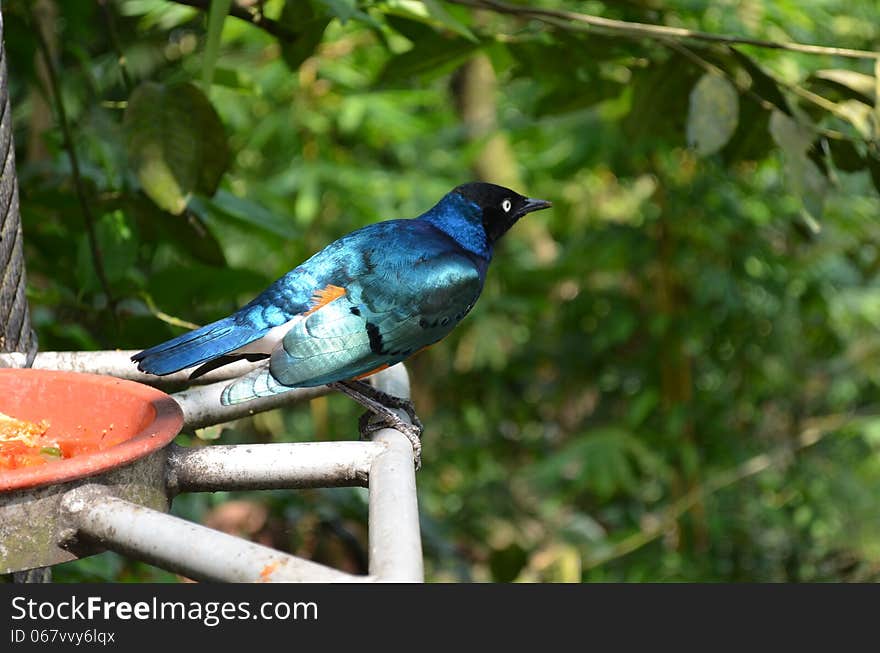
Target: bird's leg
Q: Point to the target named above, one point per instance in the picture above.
(380, 404)
(386, 400)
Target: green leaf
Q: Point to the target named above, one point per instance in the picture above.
(713, 114)
(234, 78)
(758, 93)
(535, 58)
(874, 168)
(659, 102)
(174, 287)
(859, 116)
(439, 13)
(762, 84)
(500, 56)
(806, 179)
(225, 205)
(176, 143)
(308, 23)
(794, 136)
(506, 563)
(430, 57)
(118, 246)
(587, 78)
(210, 432)
(641, 408)
(751, 141)
(428, 12)
(216, 17)
(187, 233)
(845, 84)
(413, 29)
(845, 155)
(164, 15)
(819, 156)
(346, 10)
(605, 461)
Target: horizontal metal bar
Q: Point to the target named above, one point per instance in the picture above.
(395, 539)
(180, 546)
(201, 405)
(117, 362)
(270, 466)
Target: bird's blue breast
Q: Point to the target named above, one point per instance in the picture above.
(461, 220)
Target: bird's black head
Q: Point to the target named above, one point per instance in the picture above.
(501, 206)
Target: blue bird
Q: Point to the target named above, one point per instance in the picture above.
(365, 302)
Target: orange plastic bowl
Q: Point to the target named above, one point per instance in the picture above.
(133, 419)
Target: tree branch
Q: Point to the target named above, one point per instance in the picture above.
(117, 46)
(563, 18)
(251, 16)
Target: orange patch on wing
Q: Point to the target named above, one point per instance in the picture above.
(324, 296)
(385, 366)
(371, 372)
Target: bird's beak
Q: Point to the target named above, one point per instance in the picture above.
(532, 204)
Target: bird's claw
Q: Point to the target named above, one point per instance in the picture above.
(371, 422)
(405, 405)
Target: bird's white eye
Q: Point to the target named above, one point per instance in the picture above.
(506, 204)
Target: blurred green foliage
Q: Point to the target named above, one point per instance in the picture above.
(672, 375)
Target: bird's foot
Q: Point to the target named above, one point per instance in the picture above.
(370, 422)
(405, 405)
(381, 415)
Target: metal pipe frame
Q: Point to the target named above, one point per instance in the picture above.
(395, 538)
(117, 362)
(180, 546)
(286, 465)
(201, 405)
(384, 465)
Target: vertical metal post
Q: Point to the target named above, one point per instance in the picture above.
(395, 538)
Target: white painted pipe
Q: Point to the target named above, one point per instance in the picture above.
(117, 362)
(287, 465)
(395, 538)
(201, 405)
(183, 547)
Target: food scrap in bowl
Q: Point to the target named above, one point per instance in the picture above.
(24, 444)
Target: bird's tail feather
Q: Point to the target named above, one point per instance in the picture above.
(257, 383)
(195, 347)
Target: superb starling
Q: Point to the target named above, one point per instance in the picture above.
(364, 302)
